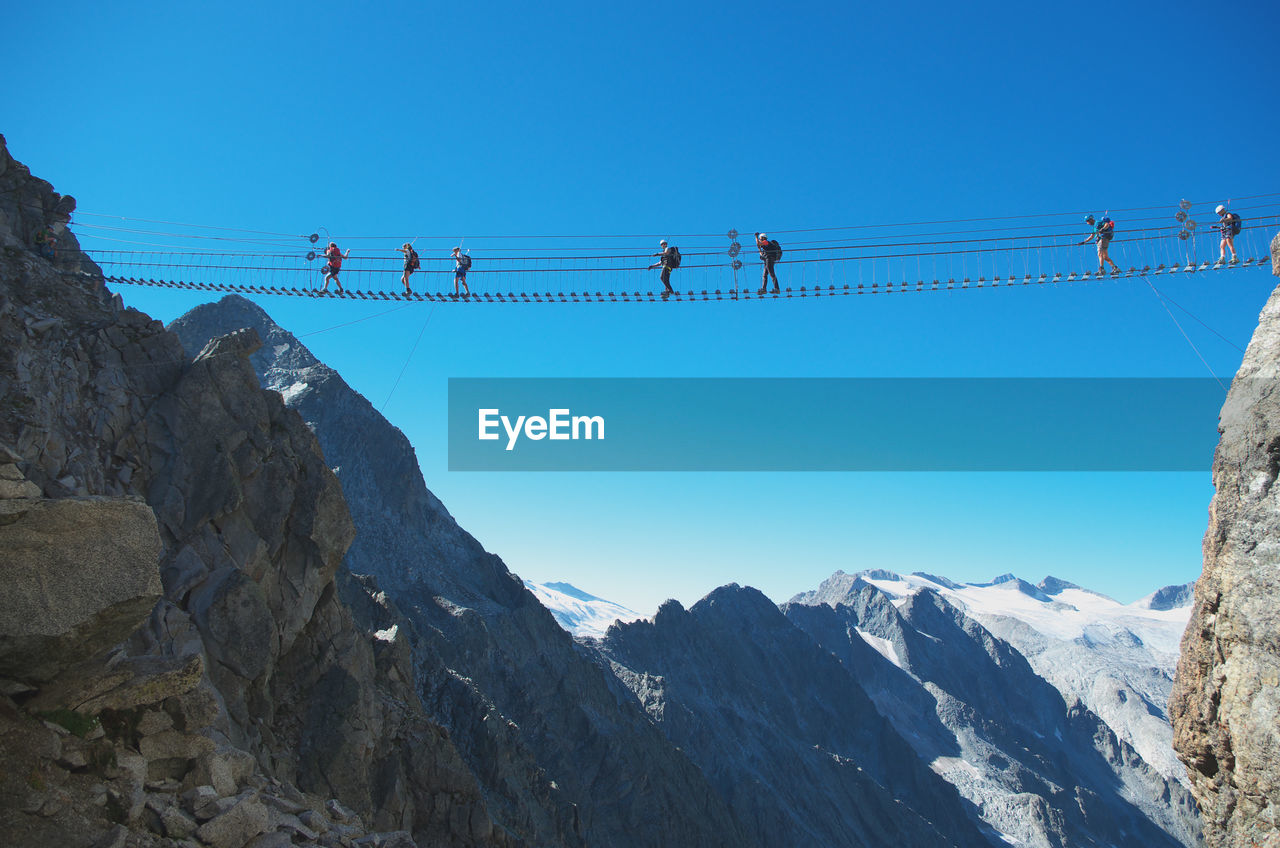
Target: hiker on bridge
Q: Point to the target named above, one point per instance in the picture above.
(1103, 231)
(46, 243)
(1229, 224)
(460, 269)
(669, 260)
(331, 270)
(770, 253)
(411, 264)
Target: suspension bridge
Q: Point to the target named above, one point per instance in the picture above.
(899, 258)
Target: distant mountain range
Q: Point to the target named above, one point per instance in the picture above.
(877, 709)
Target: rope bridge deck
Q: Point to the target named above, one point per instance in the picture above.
(969, 254)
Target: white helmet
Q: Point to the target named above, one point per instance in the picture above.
(663, 243)
(1220, 209)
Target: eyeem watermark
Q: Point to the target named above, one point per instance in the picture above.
(833, 424)
(559, 425)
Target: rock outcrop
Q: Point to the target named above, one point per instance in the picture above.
(564, 757)
(1226, 696)
(1039, 769)
(79, 576)
(782, 728)
(253, 702)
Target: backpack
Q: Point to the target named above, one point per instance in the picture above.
(775, 250)
(672, 256)
(464, 262)
(1106, 227)
(414, 264)
(1234, 223)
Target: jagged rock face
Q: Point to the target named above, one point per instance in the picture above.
(564, 756)
(250, 675)
(28, 205)
(1037, 769)
(1226, 694)
(1118, 661)
(79, 576)
(782, 728)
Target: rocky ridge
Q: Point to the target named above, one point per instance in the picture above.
(785, 733)
(561, 751)
(1226, 694)
(1116, 660)
(195, 677)
(1039, 769)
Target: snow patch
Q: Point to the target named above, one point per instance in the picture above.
(883, 647)
(580, 613)
(942, 766)
(289, 393)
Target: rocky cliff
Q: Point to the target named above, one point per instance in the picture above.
(782, 729)
(1226, 695)
(177, 663)
(1038, 769)
(561, 752)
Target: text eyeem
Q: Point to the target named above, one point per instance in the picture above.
(558, 425)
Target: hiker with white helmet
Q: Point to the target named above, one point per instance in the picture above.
(1103, 231)
(669, 260)
(1229, 225)
(462, 264)
(411, 264)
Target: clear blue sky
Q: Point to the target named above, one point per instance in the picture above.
(590, 118)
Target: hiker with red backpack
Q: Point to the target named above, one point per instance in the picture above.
(669, 260)
(1229, 224)
(1103, 231)
(411, 264)
(331, 270)
(770, 253)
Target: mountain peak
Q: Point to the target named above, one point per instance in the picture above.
(1170, 597)
(1051, 585)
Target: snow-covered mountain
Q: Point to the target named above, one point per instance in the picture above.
(580, 613)
(1117, 659)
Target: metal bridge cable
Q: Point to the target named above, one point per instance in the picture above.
(405, 367)
(975, 220)
(1160, 298)
(655, 235)
(79, 212)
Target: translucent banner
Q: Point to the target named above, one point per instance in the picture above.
(1130, 424)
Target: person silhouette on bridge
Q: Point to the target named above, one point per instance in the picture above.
(1229, 225)
(462, 266)
(411, 264)
(669, 260)
(1103, 231)
(770, 253)
(46, 243)
(331, 270)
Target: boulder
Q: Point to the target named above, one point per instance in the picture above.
(80, 575)
(225, 769)
(236, 826)
(276, 839)
(123, 684)
(13, 484)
